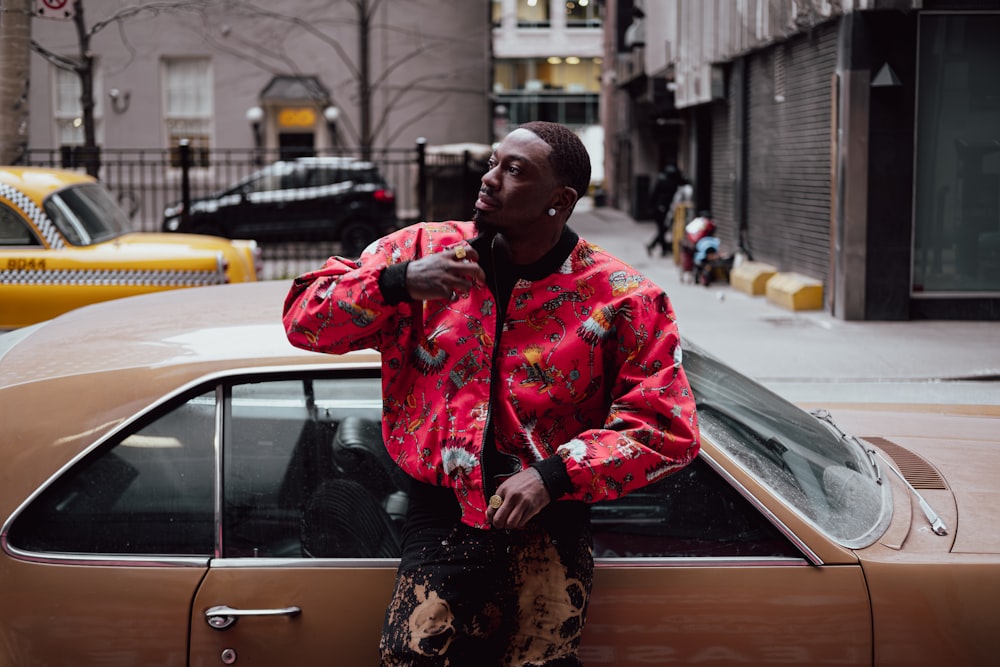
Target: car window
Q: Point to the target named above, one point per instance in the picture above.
(151, 492)
(14, 231)
(825, 477)
(295, 177)
(86, 214)
(328, 175)
(692, 513)
(307, 473)
(267, 179)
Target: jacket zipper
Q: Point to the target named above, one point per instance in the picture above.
(488, 487)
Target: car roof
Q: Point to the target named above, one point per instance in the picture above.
(192, 330)
(39, 182)
(340, 162)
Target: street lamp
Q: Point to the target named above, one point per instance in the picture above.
(501, 119)
(331, 114)
(119, 100)
(255, 116)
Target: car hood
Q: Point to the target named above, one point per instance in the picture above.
(150, 241)
(949, 453)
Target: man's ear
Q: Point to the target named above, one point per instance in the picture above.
(566, 198)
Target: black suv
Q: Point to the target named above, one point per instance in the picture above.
(313, 198)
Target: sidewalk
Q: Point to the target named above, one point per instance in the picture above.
(810, 355)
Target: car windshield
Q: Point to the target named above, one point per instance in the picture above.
(276, 176)
(825, 477)
(86, 214)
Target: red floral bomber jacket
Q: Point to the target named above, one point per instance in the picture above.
(586, 368)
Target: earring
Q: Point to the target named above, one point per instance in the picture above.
(552, 212)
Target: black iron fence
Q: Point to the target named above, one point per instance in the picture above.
(430, 183)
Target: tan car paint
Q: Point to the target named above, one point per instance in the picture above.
(930, 607)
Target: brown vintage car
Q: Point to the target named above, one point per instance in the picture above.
(179, 486)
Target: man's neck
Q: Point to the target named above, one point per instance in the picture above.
(525, 250)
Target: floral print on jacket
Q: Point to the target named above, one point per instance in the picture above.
(586, 366)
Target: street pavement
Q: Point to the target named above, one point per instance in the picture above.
(811, 355)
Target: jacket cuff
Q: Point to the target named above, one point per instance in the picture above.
(554, 476)
(392, 283)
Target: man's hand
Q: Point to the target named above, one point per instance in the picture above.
(444, 275)
(524, 495)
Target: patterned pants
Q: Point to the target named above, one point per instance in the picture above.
(470, 597)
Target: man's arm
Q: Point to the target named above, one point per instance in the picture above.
(346, 304)
(651, 429)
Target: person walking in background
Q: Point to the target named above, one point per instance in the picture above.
(526, 374)
(661, 204)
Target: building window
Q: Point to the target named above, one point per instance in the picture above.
(497, 13)
(582, 14)
(559, 89)
(956, 241)
(187, 88)
(68, 111)
(553, 74)
(533, 14)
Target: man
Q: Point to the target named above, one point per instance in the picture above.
(661, 204)
(526, 374)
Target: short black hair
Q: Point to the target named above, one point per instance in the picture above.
(569, 157)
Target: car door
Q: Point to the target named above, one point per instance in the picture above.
(22, 255)
(310, 518)
(689, 572)
(271, 205)
(101, 565)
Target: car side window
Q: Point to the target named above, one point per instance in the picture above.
(306, 471)
(14, 231)
(691, 513)
(150, 492)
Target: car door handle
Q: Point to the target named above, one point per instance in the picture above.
(222, 616)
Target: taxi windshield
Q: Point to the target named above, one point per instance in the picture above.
(826, 478)
(86, 214)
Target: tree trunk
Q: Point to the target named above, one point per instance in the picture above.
(15, 63)
(91, 156)
(364, 84)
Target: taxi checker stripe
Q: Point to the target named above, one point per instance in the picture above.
(112, 277)
(35, 214)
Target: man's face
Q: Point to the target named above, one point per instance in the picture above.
(519, 187)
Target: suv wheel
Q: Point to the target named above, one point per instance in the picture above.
(355, 236)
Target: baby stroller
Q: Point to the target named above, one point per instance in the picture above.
(701, 261)
(695, 232)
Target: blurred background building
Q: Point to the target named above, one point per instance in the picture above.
(547, 63)
(294, 75)
(856, 142)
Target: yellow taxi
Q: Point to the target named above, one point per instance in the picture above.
(65, 243)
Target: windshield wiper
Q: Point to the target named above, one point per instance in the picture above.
(825, 417)
(937, 524)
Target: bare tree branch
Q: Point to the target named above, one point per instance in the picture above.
(62, 62)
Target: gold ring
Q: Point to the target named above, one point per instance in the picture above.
(496, 502)
(460, 252)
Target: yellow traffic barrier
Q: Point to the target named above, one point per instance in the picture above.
(682, 216)
(795, 291)
(751, 277)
